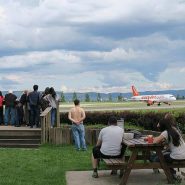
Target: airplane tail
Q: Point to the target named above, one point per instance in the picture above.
(134, 91)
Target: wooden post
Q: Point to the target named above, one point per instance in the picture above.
(45, 125)
(58, 114)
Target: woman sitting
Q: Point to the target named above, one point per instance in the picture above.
(176, 145)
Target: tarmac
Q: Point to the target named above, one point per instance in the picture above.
(137, 177)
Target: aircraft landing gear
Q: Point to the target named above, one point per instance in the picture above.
(159, 104)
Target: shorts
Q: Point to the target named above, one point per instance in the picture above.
(98, 155)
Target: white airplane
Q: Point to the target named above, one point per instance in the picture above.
(151, 99)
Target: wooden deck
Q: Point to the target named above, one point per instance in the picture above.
(20, 137)
(17, 128)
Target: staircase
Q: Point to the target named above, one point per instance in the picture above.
(19, 137)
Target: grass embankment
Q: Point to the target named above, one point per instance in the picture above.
(100, 126)
(45, 166)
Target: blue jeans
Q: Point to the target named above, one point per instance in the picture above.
(168, 159)
(53, 116)
(1, 115)
(9, 114)
(34, 117)
(79, 136)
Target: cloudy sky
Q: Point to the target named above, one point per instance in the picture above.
(92, 45)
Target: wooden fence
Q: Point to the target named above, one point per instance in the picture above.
(48, 134)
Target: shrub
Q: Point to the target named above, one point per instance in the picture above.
(146, 119)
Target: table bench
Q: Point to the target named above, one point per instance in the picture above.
(121, 163)
(140, 150)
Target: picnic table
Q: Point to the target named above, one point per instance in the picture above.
(140, 150)
(138, 158)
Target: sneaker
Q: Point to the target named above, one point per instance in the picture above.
(95, 175)
(113, 172)
(177, 178)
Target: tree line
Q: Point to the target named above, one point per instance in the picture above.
(87, 97)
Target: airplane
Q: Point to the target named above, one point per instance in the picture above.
(151, 99)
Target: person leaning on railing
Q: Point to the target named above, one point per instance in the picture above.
(1, 108)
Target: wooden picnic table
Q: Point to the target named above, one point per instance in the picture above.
(140, 150)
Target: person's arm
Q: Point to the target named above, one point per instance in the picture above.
(70, 118)
(99, 142)
(159, 139)
(82, 116)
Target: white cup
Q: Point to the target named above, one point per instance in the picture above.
(128, 136)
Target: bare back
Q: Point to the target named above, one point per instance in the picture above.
(76, 115)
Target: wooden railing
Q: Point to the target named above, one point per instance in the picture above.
(45, 125)
(48, 134)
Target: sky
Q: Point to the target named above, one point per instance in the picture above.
(92, 45)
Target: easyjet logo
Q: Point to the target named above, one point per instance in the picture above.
(152, 97)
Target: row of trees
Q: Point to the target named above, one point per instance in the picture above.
(88, 99)
(180, 97)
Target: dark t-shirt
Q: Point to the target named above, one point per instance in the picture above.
(10, 100)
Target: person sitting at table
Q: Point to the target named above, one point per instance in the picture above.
(108, 144)
(176, 145)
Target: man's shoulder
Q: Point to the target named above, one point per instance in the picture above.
(72, 109)
(81, 109)
(105, 128)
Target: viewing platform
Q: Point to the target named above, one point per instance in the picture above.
(20, 137)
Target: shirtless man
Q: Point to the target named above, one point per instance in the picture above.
(77, 115)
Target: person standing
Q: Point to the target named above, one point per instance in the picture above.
(34, 101)
(23, 107)
(10, 101)
(108, 144)
(77, 115)
(1, 108)
(51, 98)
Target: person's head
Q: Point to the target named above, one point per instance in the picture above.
(164, 125)
(10, 91)
(46, 91)
(167, 124)
(1, 93)
(25, 91)
(77, 102)
(35, 87)
(112, 120)
(52, 92)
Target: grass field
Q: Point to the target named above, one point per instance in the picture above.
(44, 166)
(127, 105)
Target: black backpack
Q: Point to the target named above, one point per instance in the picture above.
(44, 103)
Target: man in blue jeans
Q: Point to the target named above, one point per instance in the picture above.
(77, 115)
(34, 101)
(10, 100)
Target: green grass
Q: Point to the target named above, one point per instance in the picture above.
(100, 126)
(90, 106)
(44, 166)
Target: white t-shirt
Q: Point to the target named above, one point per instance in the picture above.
(177, 152)
(111, 138)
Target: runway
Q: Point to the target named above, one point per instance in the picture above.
(119, 108)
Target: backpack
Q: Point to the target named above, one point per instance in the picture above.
(44, 103)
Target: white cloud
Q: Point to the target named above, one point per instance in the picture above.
(92, 45)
